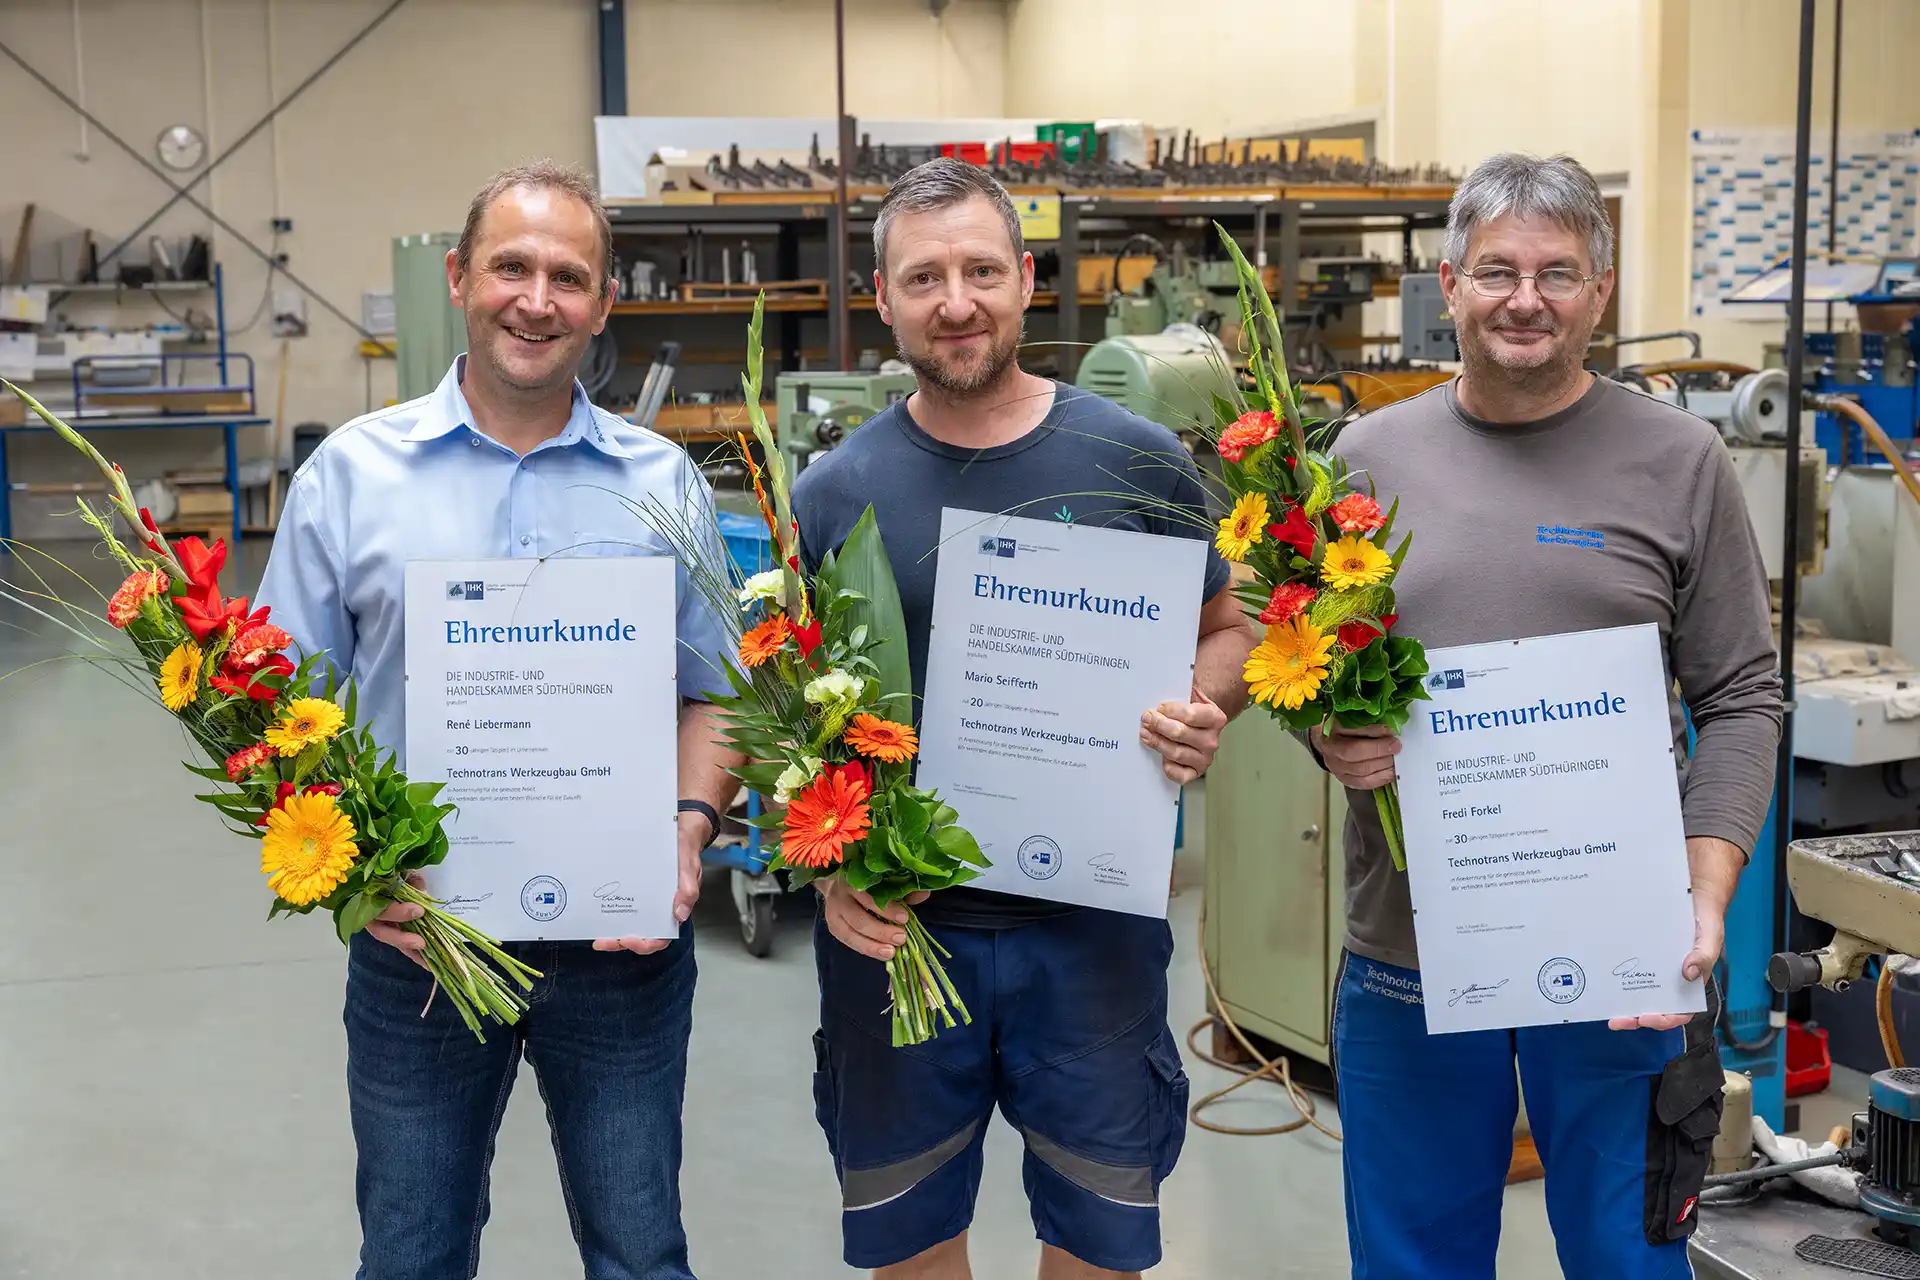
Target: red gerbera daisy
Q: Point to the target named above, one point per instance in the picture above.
(825, 818)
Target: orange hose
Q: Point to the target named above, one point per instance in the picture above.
(1693, 366)
(1864, 420)
(1883, 1014)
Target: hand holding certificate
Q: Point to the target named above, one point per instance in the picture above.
(1546, 856)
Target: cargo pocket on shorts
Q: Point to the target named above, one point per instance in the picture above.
(826, 1108)
(1168, 1082)
(1688, 1096)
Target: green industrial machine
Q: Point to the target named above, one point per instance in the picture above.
(815, 411)
(1169, 378)
(429, 331)
(1178, 291)
(1276, 886)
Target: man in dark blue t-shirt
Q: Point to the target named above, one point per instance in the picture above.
(1070, 1034)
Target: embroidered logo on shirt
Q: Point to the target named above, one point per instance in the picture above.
(1561, 535)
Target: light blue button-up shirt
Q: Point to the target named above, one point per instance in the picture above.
(420, 482)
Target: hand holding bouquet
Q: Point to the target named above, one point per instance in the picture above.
(822, 709)
(1317, 551)
(339, 828)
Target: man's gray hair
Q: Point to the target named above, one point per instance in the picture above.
(1559, 189)
(541, 175)
(941, 183)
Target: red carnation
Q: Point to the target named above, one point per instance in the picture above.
(1248, 432)
(1289, 598)
(1357, 513)
(286, 790)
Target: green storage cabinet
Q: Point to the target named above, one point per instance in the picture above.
(1276, 884)
(429, 330)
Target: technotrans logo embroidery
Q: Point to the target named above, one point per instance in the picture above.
(466, 591)
(1002, 547)
(1561, 535)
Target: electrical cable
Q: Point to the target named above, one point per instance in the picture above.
(180, 193)
(1276, 1070)
(140, 158)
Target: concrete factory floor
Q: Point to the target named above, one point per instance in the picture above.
(171, 1073)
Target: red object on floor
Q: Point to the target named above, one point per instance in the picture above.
(1809, 1064)
(971, 152)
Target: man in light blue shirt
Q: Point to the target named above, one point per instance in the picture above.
(507, 458)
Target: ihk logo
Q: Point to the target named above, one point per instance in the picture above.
(1039, 857)
(1447, 680)
(1562, 981)
(1002, 547)
(466, 591)
(543, 898)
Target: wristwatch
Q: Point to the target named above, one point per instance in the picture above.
(707, 811)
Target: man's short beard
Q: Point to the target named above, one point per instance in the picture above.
(993, 367)
(1478, 359)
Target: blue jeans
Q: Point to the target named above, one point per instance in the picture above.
(1623, 1121)
(606, 1033)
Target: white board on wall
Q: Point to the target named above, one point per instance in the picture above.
(1743, 207)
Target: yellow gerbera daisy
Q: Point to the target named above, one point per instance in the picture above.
(1285, 669)
(1354, 562)
(305, 722)
(308, 849)
(180, 676)
(1242, 527)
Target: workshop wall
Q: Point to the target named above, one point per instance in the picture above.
(390, 141)
(1742, 68)
(1214, 66)
(775, 58)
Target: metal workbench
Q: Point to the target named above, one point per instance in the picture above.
(1756, 1241)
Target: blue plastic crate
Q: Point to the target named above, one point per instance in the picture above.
(747, 541)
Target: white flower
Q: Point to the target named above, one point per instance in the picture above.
(836, 688)
(796, 777)
(770, 586)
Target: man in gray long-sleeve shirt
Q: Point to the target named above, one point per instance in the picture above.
(1544, 500)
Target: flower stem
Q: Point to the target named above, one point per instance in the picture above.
(470, 983)
(1387, 801)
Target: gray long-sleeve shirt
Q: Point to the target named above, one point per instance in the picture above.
(1619, 509)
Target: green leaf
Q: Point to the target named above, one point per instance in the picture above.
(858, 877)
(761, 777)
(863, 567)
(423, 793)
(958, 843)
(357, 913)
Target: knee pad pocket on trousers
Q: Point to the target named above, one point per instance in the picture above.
(1170, 1094)
(1683, 1120)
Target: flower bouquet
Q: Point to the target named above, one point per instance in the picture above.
(1321, 575)
(338, 826)
(822, 710)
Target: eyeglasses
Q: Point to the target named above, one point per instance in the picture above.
(1555, 284)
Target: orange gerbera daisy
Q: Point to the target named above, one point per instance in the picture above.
(764, 640)
(825, 818)
(882, 739)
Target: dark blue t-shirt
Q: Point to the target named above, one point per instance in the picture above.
(1089, 461)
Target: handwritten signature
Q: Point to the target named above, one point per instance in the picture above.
(611, 891)
(467, 902)
(1625, 969)
(1101, 860)
(1461, 993)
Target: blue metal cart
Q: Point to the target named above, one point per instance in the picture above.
(755, 888)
